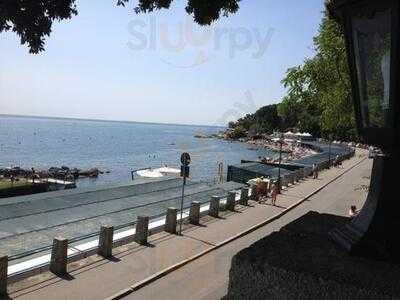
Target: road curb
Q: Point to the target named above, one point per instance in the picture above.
(140, 284)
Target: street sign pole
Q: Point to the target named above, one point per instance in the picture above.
(185, 160)
(183, 196)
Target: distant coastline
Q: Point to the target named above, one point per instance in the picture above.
(111, 121)
(290, 147)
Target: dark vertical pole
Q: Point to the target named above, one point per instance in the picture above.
(279, 166)
(183, 195)
(330, 142)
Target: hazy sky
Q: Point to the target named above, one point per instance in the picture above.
(109, 63)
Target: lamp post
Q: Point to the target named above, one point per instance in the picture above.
(280, 161)
(372, 34)
(330, 145)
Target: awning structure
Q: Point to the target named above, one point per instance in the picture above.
(245, 171)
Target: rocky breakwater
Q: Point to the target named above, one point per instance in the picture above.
(62, 173)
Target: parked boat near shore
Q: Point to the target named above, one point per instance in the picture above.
(158, 172)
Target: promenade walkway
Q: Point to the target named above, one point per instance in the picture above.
(206, 277)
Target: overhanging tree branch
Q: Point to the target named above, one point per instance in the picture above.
(32, 20)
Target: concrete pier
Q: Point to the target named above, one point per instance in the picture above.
(142, 230)
(3, 275)
(106, 241)
(59, 252)
(194, 213)
(41, 214)
(170, 220)
(214, 206)
(231, 201)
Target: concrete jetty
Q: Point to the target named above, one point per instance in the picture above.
(29, 223)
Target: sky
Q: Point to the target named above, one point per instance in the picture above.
(110, 63)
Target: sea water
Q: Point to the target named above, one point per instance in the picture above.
(116, 147)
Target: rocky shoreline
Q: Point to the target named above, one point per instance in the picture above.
(291, 149)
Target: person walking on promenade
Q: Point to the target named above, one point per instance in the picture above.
(274, 193)
(315, 171)
(353, 211)
(33, 174)
(337, 161)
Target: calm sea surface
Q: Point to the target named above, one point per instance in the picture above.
(118, 147)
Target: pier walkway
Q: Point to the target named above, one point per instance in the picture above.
(28, 224)
(207, 276)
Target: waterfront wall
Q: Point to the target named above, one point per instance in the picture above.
(24, 190)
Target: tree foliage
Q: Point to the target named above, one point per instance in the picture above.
(237, 132)
(32, 20)
(318, 96)
(264, 120)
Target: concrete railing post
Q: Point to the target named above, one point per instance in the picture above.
(301, 174)
(170, 220)
(244, 196)
(297, 176)
(3, 275)
(142, 230)
(194, 213)
(231, 201)
(292, 178)
(284, 181)
(214, 206)
(59, 254)
(106, 241)
(253, 192)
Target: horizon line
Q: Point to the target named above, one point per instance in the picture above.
(105, 120)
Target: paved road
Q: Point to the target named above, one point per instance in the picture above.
(207, 277)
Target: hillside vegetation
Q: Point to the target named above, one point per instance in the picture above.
(318, 95)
